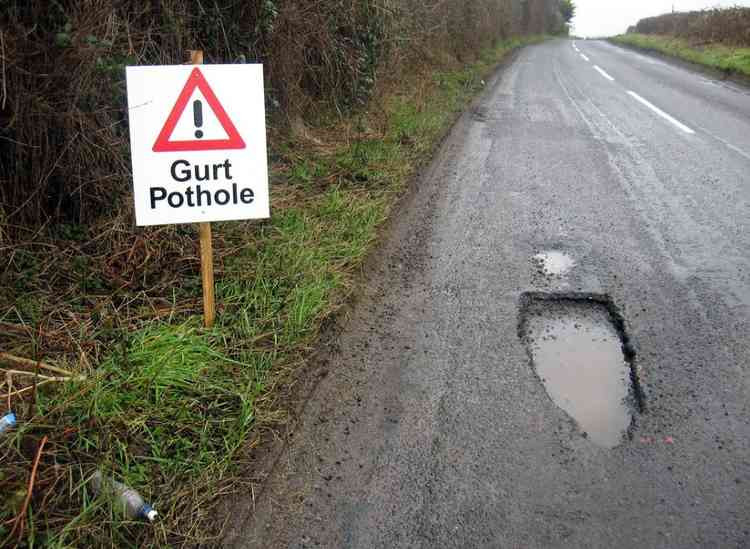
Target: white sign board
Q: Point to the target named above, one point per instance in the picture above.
(198, 143)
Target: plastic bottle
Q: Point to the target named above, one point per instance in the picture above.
(130, 501)
(8, 421)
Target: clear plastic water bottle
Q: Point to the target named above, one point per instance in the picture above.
(128, 499)
(8, 421)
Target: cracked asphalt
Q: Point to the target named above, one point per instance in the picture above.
(431, 428)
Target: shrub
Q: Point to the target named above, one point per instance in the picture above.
(729, 26)
(63, 121)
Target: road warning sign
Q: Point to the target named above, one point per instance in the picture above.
(197, 81)
(198, 143)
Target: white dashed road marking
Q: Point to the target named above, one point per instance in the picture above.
(604, 73)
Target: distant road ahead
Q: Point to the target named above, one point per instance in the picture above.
(431, 428)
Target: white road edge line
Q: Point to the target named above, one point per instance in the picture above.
(660, 112)
(604, 73)
(585, 58)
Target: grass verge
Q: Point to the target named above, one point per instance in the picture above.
(715, 56)
(168, 407)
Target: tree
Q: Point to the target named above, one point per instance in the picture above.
(568, 10)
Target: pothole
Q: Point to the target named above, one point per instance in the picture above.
(581, 354)
(554, 263)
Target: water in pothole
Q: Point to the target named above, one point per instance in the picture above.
(554, 263)
(577, 353)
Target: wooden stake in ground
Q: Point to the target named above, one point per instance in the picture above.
(207, 254)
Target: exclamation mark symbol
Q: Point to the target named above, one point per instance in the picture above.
(198, 117)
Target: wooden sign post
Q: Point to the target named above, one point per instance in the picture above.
(198, 150)
(207, 251)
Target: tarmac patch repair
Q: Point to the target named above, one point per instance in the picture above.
(580, 352)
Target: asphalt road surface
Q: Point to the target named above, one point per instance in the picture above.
(433, 427)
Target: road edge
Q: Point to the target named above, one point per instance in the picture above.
(268, 454)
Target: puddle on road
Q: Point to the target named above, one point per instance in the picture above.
(578, 354)
(553, 263)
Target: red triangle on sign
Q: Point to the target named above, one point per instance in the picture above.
(163, 143)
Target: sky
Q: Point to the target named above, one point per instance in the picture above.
(610, 17)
